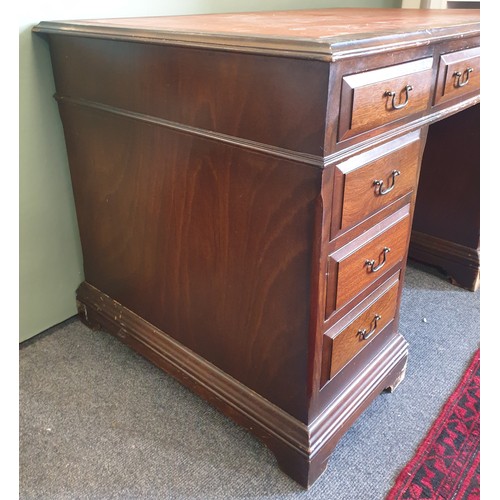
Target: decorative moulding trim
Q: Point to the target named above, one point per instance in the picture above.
(331, 48)
(195, 369)
(295, 156)
(425, 120)
(449, 250)
(308, 159)
(298, 48)
(259, 415)
(330, 425)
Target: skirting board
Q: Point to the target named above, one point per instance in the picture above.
(459, 262)
(302, 451)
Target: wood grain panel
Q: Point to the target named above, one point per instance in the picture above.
(208, 242)
(240, 95)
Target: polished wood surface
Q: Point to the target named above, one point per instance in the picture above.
(348, 342)
(222, 263)
(181, 86)
(459, 74)
(366, 103)
(369, 183)
(348, 269)
(224, 174)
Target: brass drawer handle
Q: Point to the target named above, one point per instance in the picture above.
(366, 335)
(401, 105)
(380, 184)
(462, 82)
(371, 263)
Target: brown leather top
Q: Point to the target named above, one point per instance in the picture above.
(295, 30)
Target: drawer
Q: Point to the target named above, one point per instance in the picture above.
(382, 96)
(352, 334)
(458, 74)
(366, 183)
(357, 265)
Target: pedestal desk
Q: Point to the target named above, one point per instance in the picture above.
(245, 186)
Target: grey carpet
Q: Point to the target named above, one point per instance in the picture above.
(97, 421)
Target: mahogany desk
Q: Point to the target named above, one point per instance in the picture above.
(245, 185)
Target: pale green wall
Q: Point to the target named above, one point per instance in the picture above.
(50, 255)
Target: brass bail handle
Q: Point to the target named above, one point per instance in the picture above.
(366, 335)
(371, 263)
(401, 105)
(461, 80)
(380, 184)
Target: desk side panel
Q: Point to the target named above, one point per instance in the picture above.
(210, 243)
(274, 101)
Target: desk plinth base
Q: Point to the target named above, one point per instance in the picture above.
(458, 262)
(302, 450)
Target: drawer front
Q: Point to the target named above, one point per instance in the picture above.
(379, 97)
(371, 181)
(351, 269)
(348, 338)
(458, 74)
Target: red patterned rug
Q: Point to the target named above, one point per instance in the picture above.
(446, 464)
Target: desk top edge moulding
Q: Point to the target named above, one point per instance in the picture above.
(245, 187)
(317, 34)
